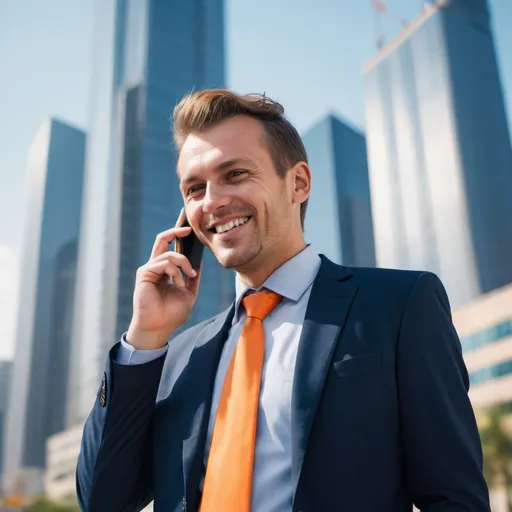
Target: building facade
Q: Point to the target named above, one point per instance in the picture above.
(41, 371)
(62, 450)
(339, 215)
(439, 151)
(148, 54)
(5, 384)
(485, 328)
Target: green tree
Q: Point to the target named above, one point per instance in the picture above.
(44, 505)
(497, 447)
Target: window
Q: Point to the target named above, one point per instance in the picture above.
(487, 336)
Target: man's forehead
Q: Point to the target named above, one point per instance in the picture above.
(192, 159)
(202, 152)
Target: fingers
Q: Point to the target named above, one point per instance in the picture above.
(181, 218)
(177, 259)
(192, 284)
(163, 239)
(153, 272)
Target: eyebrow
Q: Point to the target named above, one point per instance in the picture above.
(222, 166)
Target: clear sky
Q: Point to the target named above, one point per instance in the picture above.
(306, 53)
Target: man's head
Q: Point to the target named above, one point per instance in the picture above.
(241, 160)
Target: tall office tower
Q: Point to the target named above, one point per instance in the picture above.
(339, 216)
(5, 383)
(439, 151)
(40, 376)
(148, 54)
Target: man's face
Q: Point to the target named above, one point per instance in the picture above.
(234, 200)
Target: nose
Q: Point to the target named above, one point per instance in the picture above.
(215, 197)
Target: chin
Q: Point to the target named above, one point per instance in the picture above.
(234, 258)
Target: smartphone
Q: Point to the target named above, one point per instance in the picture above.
(190, 246)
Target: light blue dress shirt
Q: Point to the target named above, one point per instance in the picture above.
(272, 476)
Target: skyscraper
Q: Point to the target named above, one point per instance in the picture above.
(40, 376)
(339, 216)
(148, 54)
(439, 151)
(5, 384)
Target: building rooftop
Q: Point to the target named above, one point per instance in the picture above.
(402, 36)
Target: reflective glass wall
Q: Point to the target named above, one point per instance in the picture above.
(39, 389)
(339, 217)
(439, 152)
(149, 54)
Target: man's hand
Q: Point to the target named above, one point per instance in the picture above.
(159, 306)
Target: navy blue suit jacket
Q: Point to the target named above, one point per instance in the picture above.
(380, 412)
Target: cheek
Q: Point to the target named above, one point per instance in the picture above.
(194, 214)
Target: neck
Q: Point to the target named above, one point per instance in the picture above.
(262, 269)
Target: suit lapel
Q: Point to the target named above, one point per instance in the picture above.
(203, 365)
(328, 307)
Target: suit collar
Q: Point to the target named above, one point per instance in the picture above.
(205, 357)
(328, 307)
(330, 270)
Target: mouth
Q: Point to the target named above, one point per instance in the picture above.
(230, 226)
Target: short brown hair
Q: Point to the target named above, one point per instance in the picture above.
(201, 110)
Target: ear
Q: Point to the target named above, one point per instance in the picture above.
(301, 182)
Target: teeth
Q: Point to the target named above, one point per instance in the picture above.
(231, 224)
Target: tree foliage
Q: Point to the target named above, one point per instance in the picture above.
(497, 447)
(44, 505)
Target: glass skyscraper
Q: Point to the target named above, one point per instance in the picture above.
(5, 384)
(439, 151)
(148, 54)
(38, 391)
(339, 216)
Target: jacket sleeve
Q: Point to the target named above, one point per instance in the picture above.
(443, 452)
(114, 465)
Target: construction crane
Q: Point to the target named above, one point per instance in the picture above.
(381, 9)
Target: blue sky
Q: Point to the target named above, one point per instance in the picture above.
(307, 54)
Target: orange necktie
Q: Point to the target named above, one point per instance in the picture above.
(228, 481)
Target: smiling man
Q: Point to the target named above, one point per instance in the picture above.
(322, 388)
(238, 197)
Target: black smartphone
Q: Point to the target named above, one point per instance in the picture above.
(190, 246)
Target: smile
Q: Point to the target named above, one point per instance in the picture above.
(232, 224)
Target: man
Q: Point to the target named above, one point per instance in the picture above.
(323, 388)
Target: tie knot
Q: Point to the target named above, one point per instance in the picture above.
(260, 304)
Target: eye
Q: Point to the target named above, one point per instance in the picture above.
(193, 189)
(236, 173)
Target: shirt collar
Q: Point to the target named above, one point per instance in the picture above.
(284, 280)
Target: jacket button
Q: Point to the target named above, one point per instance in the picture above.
(103, 391)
